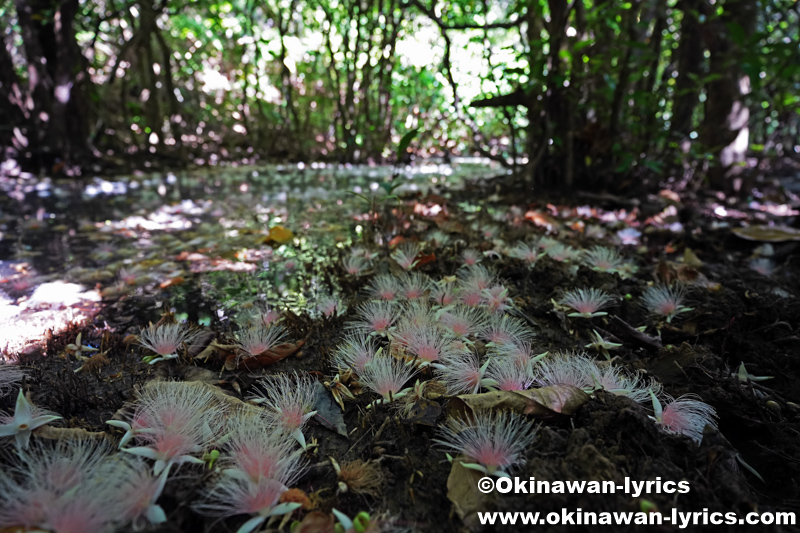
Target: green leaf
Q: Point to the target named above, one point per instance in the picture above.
(625, 164)
(405, 142)
(360, 196)
(655, 166)
(737, 33)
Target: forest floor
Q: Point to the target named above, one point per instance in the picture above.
(243, 251)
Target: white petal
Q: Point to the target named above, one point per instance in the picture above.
(23, 438)
(156, 515)
(142, 451)
(23, 409)
(251, 525)
(8, 430)
(40, 421)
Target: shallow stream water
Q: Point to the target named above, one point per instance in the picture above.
(150, 235)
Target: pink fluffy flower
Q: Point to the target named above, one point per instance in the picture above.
(603, 259)
(686, 415)
(173, 422)
(496, 299)
(470, 294)
(384, 287)
(478, 276)
(355, 352)
(230, 496)
(464, 321)
(139, 492)
(354, 265)
(586, 303)
(374, 317)
(256, 340)
(494, 442)
(427, 342)
(445, 293)
(573, 369)
(387, 376)
(470, 257)
(416, 313)
(166, 340)
(528, 253)
(503, 329)
(328, 305)
(254, 451)
(257, 468)
(263, 315)
(562, 253)
(76, 487)
(414, 286)
(406, 255)
(507, 375)
(289, 401)
(520, 352)
(665, 301)
(462, 373)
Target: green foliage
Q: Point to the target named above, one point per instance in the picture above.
(613, 87)
(404, 143)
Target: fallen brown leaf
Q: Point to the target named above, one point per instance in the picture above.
(315, 522)
(282, 351)
(547, 402)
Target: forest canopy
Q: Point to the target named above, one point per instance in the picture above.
(580, 92)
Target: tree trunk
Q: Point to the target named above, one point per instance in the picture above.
(689, 67)
(56, 82)
(725, 128)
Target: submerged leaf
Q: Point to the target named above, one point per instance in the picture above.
(280, 235)
(768, 233)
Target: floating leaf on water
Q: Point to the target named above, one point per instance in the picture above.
(172, 282)
(768, 233)
(280, 235)
(542, 220)
(690, 258)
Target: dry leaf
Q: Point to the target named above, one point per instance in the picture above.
(282, 351)
(462, 490)
(52, 433)
(315, 522)
(546, 402)
(216, 350)
(425, 259)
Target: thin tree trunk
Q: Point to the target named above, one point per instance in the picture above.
(689, 67)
